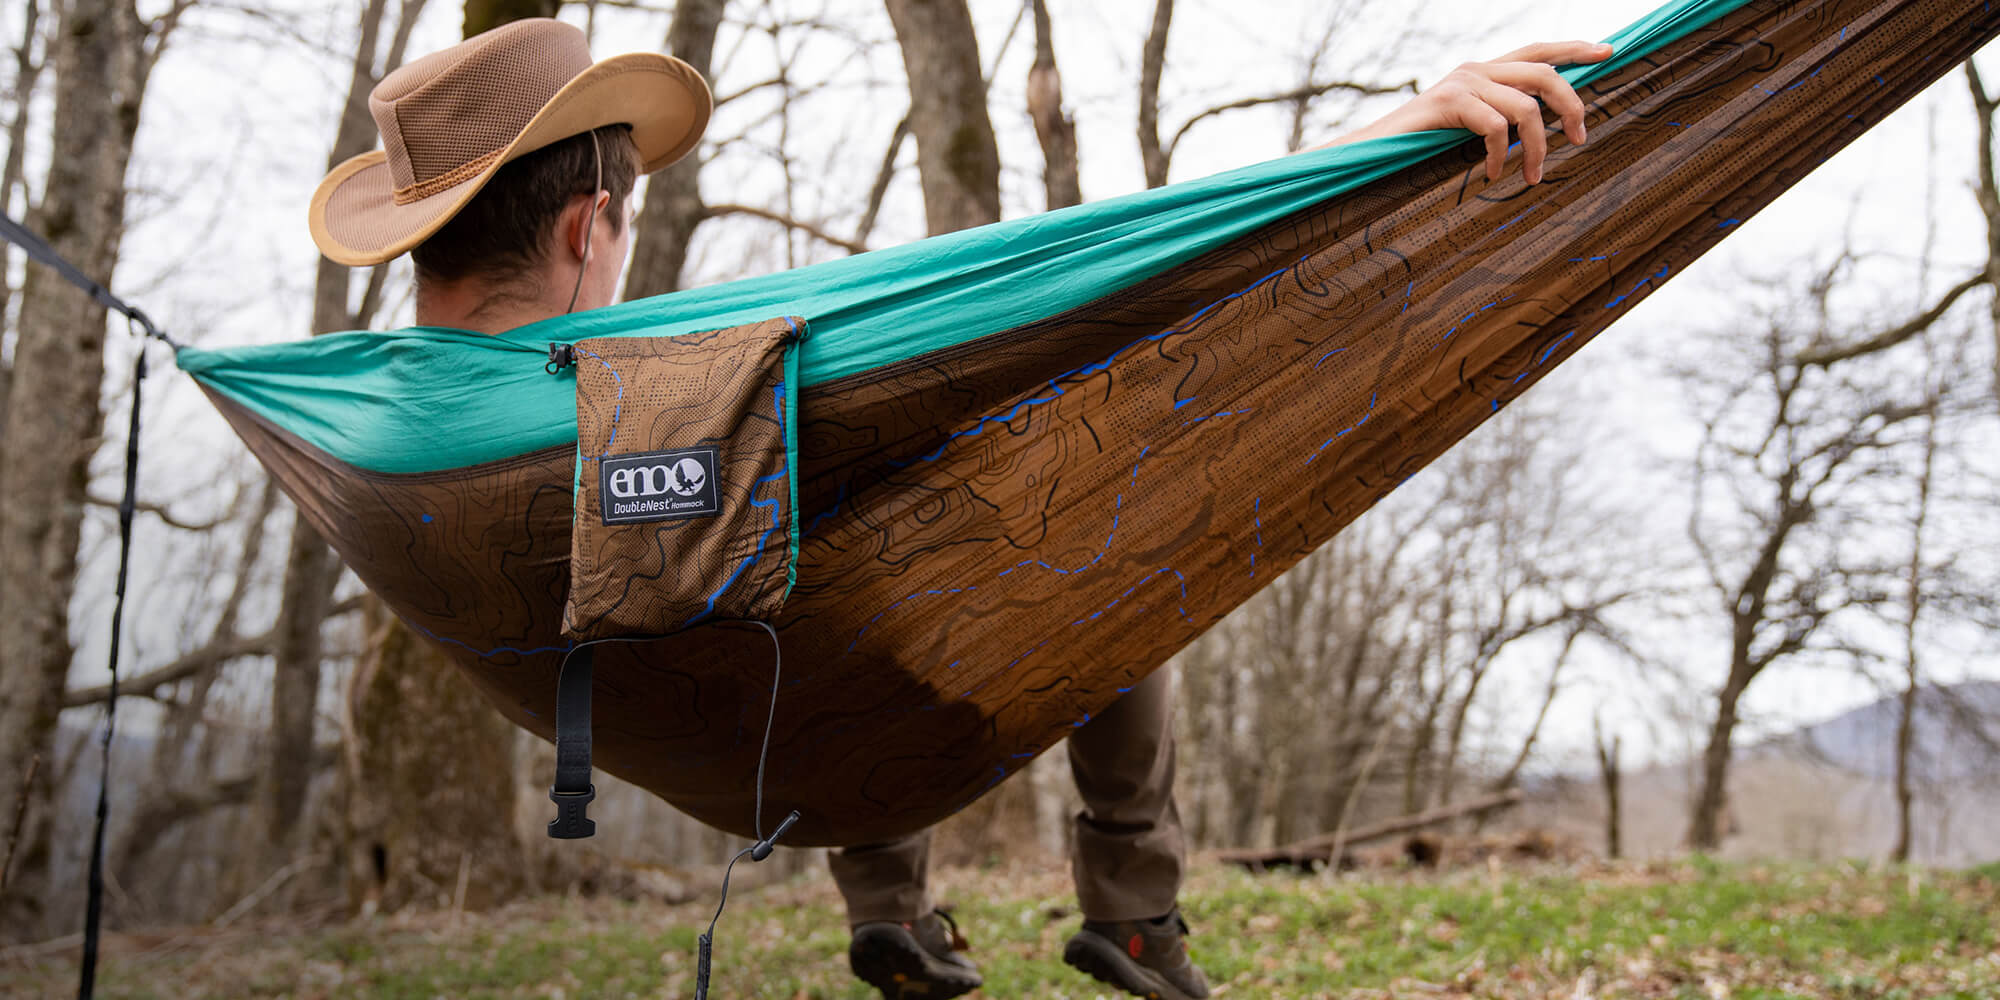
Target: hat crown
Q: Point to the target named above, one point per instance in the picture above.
(448, 115)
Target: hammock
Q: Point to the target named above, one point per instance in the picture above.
(1035, 459)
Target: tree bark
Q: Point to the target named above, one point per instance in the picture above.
(26, 72)
(958, 159)
(485, 15)
(430, 781)
(1988, 193)
(1913, 608)
(1152, 63)
(673, 207)
(1053, 126)
(1705, 826)
(53, 418)
(1608, 773)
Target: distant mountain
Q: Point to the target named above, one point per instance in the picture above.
(1823, 791)
(1957, 736)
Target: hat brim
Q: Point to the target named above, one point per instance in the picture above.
(354, 216)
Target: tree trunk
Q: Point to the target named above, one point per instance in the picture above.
(430, 782)
(1705, 827)
(1988, 193)
(26, 72)
(485, 15)
(673, 206)
(53, 418)
(1153, 63)
(1055, 128)
(1608, 772)
(1913, 607)
(958, 160)
(429, 774)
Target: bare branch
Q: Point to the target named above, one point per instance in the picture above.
(209, 656)
(1295, 95)
(1831, 354)
(814, 231)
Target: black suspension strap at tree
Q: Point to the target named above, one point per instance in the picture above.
(39, 250)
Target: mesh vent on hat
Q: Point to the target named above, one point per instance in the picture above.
(448, 112)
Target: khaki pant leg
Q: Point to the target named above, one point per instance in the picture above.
(887, 881)
(1130, 851)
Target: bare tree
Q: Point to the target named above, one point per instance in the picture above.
(1053, 126)
(1157, 156)
(1793, 442)
(673, 206)
(1608, 774)
(958, 159)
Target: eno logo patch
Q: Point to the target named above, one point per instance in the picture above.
(658, 486)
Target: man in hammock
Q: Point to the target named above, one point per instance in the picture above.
(508, 166)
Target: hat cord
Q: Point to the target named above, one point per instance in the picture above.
(590, 225)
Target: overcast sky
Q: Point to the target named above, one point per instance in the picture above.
(240, 114)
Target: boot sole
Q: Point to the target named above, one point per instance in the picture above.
(1106, 963)
(902, 970)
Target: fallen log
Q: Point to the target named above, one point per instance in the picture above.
(1318, 850)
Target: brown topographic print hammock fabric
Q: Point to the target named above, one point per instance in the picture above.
(1000, 538)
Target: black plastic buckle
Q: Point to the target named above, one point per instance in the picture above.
(572, 821)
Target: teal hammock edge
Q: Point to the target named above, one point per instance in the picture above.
(425, 399)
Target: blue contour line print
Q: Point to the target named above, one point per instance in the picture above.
(777, 514)
(617, 409)
(1659, 275)
(487, 654)
(1343, 432)
(1093, 368)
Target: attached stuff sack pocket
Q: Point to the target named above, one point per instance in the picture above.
(685, 495)
(686, 502)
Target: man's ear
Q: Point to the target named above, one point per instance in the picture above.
(576, 221)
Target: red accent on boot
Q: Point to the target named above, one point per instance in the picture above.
(1135, 946)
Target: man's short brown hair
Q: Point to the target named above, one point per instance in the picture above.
(503, 232)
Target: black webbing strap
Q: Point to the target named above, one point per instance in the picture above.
(572, 793)
(94, 901)
(39, 250)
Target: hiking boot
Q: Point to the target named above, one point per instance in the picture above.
(907, 961)
(1146, 958)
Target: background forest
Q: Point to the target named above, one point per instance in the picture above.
(1726, 583)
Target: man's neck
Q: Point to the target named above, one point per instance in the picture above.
(479, 307)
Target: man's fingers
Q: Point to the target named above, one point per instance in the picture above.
(1541, 80)
(1559, 53)
(1481, 117)
(1526, 115)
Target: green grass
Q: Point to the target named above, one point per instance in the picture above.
(1699, 929)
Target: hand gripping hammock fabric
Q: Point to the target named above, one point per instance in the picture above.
(1006, 473)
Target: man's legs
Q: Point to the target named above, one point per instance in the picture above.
(1130, 851)
(887, 881)
(901, 946)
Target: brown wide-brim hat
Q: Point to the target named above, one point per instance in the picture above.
(451, 119)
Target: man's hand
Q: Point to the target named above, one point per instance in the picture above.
(1490, 96)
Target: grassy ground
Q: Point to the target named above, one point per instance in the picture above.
(1687, 930)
